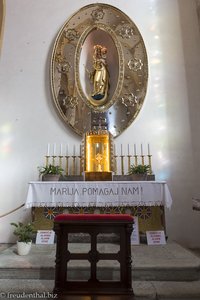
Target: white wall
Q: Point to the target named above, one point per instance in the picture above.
(169, 119)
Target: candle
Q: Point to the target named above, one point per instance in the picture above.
(80, 150)
(67, 149)
(135, 150)
(141, 149)
(60, 149)
(149, 150)
(54, 149)
(128, 150)
(74, 150)
(48, 149)
(114, 150)
(121, 150)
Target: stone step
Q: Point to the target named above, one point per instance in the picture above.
(170, 262)
(143, 290)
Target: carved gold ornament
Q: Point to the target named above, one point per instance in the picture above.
(99, 69)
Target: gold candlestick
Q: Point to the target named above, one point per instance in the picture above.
(122, 164)
(53, 160)
(67, 165)
(60, 160)
(73, 164)
(136, 160)
(129, 162)
(142, 158)
(47, 160)
(80, 164)
(115, 164)
(150, 166)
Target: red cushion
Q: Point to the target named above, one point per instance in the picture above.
(93, 217)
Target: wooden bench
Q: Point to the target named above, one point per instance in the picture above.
(93, 224)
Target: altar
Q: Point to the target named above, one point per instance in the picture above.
(144, 199)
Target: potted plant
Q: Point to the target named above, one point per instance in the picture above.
(24, 233)
(50, 172)
(139, 172)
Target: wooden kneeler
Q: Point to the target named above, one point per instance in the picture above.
(93, 224)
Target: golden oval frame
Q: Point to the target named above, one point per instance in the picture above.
(71, 102)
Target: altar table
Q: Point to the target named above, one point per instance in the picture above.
(143, 199)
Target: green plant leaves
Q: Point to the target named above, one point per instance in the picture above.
(139, 169)
(23, 231)
(50, 169)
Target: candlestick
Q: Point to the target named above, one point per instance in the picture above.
(47, 160)
(129, 162)
(122, 164)
(60, 160)
(142, 157)
(80, 164)
(150, 166)
(73, 164)
(115, 164)
(67, 165)
(53, 160)
(136, 160)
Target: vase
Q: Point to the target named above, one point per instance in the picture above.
(23, 248)
(138, 177)
(50, 177)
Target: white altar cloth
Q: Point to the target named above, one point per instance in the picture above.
(98, 194)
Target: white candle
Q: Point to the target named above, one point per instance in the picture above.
(67, 149)
(121, 150)
(54, 149)
(80, 150)
(149, 150)
(135, 150)
(48, 149)
(114, 150)
(74, 150)
(141, 149)
(128, 150)
(60, 149)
